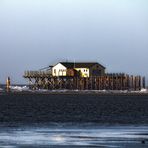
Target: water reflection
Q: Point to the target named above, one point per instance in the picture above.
(74, 136)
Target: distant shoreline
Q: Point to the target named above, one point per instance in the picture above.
(71, 92)
(26, 90)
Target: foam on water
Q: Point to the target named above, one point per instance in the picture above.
(1, 89)
(26, 88)
(106, 136)
(19, 88)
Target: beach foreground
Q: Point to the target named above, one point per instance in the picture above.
(73, 135)
(73, 120)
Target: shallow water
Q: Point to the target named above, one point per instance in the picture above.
(47, 120)
(65, 135)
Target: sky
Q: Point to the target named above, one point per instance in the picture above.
(38, 33)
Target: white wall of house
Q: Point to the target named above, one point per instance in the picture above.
(84, 71)
(59, 70)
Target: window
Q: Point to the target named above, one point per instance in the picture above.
(54, 70)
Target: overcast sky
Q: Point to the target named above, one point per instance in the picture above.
(38, 33)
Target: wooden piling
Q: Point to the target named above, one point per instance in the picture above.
(114, 81)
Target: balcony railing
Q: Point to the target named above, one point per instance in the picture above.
(37, 74)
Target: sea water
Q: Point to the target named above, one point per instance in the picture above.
(64, 135)
(79, 120)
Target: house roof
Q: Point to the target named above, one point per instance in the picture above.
(80, 64)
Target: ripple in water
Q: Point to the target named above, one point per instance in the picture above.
(74, 136)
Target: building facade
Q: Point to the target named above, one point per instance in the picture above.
(78, 69)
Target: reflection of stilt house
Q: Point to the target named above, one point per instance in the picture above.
(82, 76)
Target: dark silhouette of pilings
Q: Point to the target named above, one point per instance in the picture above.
(114, 81)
